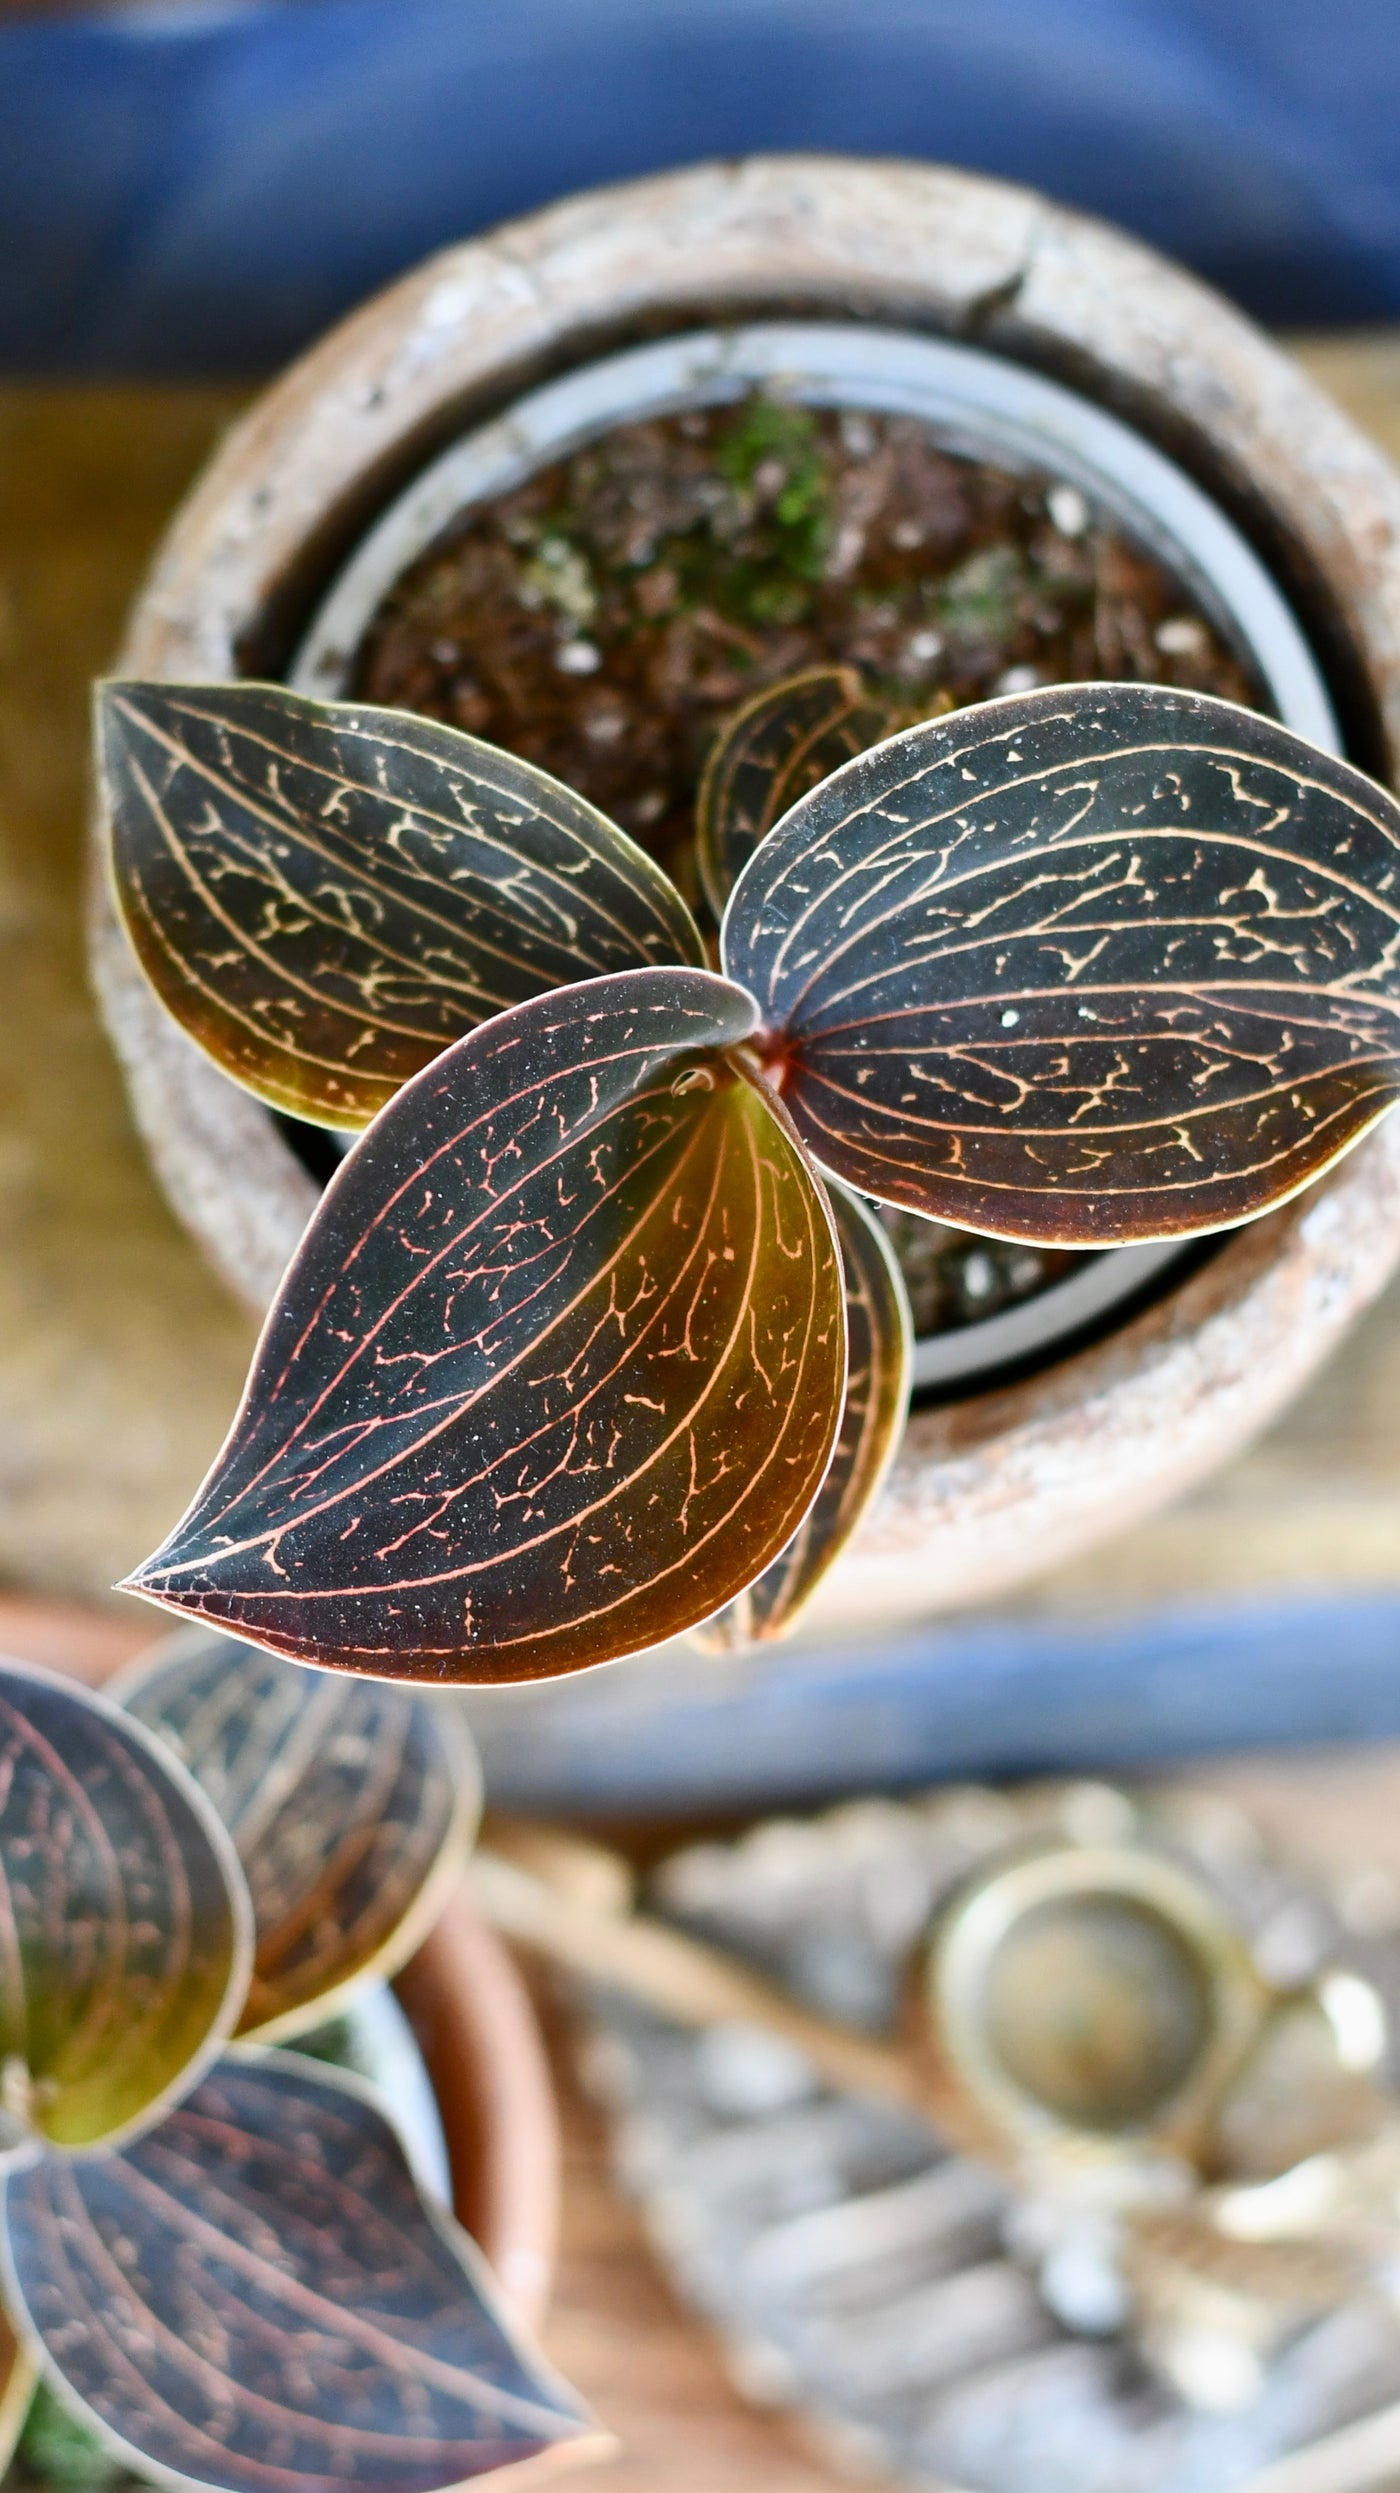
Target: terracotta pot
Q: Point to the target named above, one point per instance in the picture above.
(993, 1487)
(463, 1997)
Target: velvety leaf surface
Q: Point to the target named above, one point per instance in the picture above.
(772, 751)
(351, 1803)
(326, 894)
(880, 1339)
(125, 1933)
(557, 1368)
(254, 2296)
(1092, 964)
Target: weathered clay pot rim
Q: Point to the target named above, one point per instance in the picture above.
(464, 1999)
(987, 1490)
(982, 405)
(722, 277)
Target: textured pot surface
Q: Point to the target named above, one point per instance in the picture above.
(988, 1490)
(462, 1995)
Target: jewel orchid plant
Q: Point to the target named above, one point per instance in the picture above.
(218, 2253)
(593, 1338)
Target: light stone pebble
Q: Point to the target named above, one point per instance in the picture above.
(743, 2070)
(1068, 509)
(1181, 636)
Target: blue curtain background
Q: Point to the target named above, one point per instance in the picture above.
(199, 189)
(684, 1733)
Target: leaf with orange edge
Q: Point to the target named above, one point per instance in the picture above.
(557, 1368)
(880, 1334)
(326, 894)
(125, 1927)
(256, 2297)
(1093, 964)
(19, 2375)
(352, 1804)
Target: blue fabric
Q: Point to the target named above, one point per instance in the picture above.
(200, 189)
(689, 1734)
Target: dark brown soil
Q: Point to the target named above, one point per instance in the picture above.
(953, 1279)
(607, 617)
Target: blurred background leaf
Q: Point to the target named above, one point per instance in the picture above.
(256, 2296)
(125, 1932)
(352, 1805)
(18, 2374)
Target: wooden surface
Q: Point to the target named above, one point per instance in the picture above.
(120, 1359)
(653, 2377)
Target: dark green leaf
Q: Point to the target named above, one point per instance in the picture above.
(255, 2296)
(880, 1336)
(771, 752)
(351, 1803)
(557, 1368)
(125, 1929)
(1092, 964)
(325, 895)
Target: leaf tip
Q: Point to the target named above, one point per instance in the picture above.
(150, 1582)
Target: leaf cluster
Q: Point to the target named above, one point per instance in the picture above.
(592, 1340)
(216, 2254)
